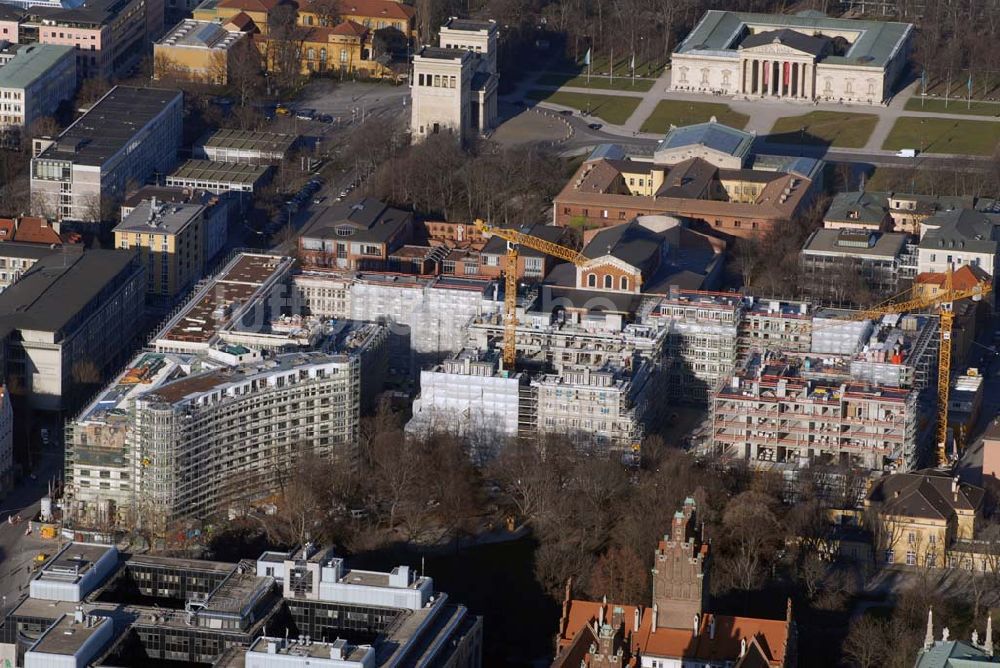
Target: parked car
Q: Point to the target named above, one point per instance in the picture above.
(282, 110)
(595, 126)
(305, 114)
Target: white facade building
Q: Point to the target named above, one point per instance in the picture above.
(805, 57)
(34, 83)
(454, 85)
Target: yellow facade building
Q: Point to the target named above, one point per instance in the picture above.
(170, 242)
(201, 51)
(924, 518)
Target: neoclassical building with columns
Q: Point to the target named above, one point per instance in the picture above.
(805, 57)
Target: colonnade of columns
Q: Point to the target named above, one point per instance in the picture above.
(778, 78)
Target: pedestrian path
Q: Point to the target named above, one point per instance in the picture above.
(763, 113)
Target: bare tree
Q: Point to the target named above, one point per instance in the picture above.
(866, 641)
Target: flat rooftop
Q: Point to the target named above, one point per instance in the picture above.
(440, 53)
(58, 287)
(874, 43)
(249, 140)
(32, 62)
(161, 218)
(74, 561)
(855, 243)
(109, 125)
(471, 25)
(67, 635)
(210, 171)
(312, 650)
(218, 302)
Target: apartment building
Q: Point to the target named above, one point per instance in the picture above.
(34, 83)
(245, 146)
(199, 51)
(700, 350)
(110, 36)
(889, 211)
(170, 241)
(773, 413)
(854, 267)
(215, 215)
(273, 610)
(6, 442)
(704, 172)
(952, 238)
(125, 137)
(354, 236)
(70, 320)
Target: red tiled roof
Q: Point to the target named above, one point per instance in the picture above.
(771, 635)
(241, 22)
(376, 9)
(351, 28)
(36, 230)
(7, 227)
(965, 277)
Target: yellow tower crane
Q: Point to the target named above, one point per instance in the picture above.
(516, 239)
(945, 300)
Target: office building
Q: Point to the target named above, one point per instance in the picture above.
(34, 83)
(17, 258)
(801, 57)
(110, 36)
(892, 211)
(127, 136)
(676, 629)
(245, 146)
(69, 320)
(453, 87)
(704, 172)
(169, 238)
(239, 179)
(90, 604)
(198, 51)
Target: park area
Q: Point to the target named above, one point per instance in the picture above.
(944, 135)
(679, 112)
(825, 128)
(953, 106)
(614, 109)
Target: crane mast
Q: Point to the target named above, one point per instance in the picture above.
(515, 239)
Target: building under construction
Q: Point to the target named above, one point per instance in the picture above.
(778, 412)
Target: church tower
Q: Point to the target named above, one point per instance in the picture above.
(680, 572)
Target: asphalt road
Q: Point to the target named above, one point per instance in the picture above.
(16, 549)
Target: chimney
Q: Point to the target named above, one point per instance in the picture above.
(78, 615)
(636, 618)
(654, 620)
(743, 647)
(696, 624)
(600, 615)
(711, 628)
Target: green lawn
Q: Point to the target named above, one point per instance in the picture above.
(611, 109)
(942, 135)
(828, 128)
(677, 112)
(936, 105)
(600, 65)
(596, 82)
